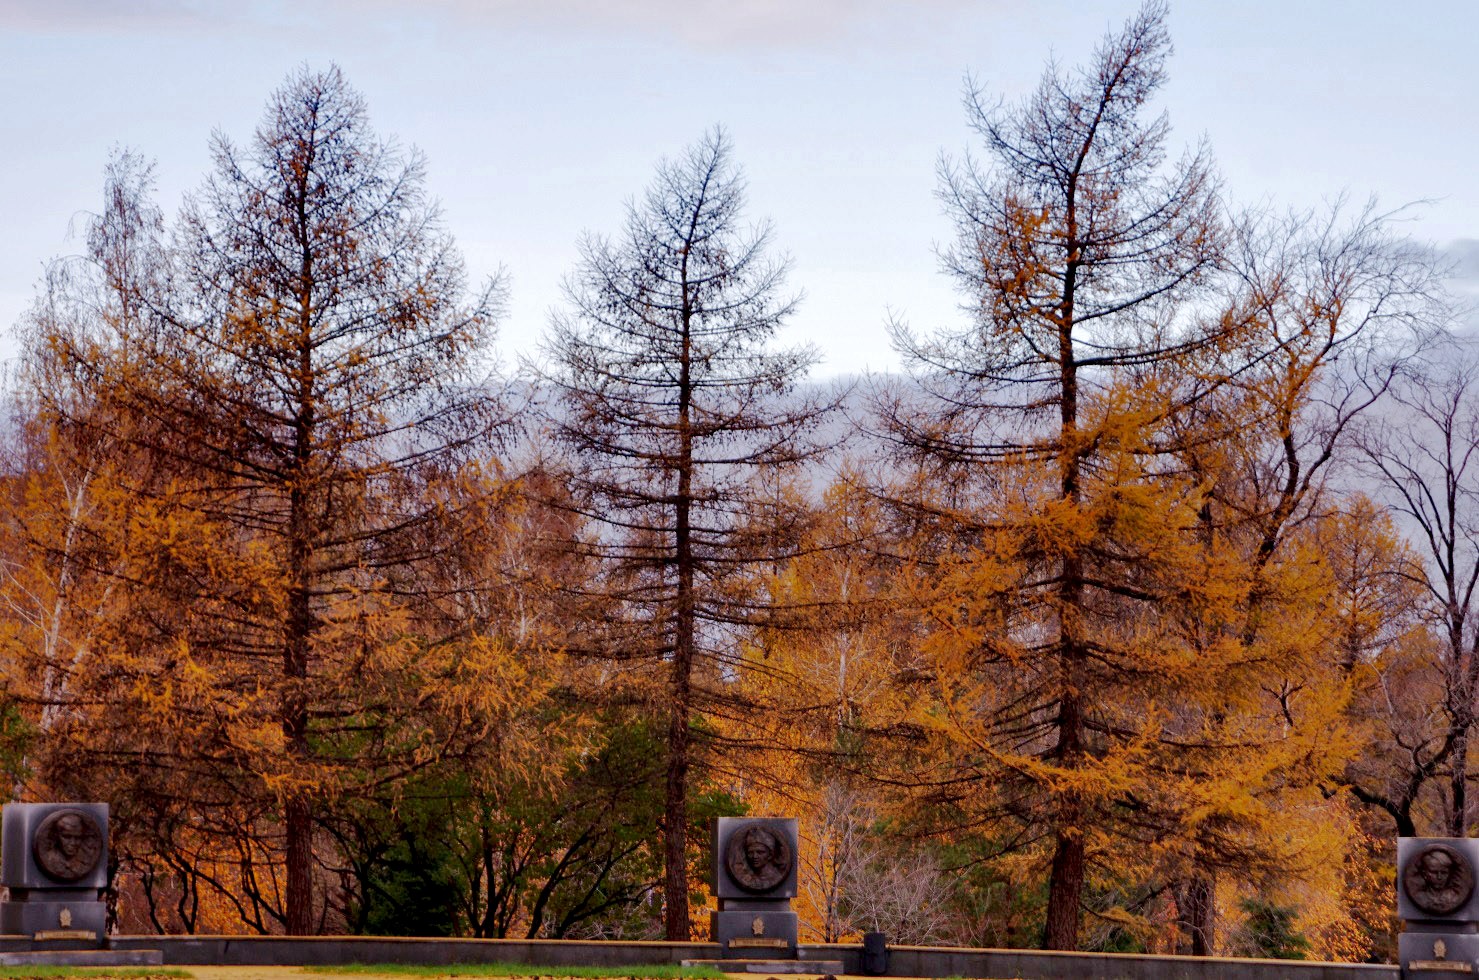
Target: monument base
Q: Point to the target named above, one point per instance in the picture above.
(59, 921)
(1438, 954)
(753, 933)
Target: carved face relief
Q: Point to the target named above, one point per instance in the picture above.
(68, 845)
(757, 858)
(1438, 880)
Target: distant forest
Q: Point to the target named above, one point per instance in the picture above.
(1139, 614)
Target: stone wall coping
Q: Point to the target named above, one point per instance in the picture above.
(939, 960)
(252, 937)
(1158, 957)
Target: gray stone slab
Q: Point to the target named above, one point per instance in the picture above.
(84, 957)
(833, 967)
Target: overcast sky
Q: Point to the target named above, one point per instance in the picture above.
(540, 118)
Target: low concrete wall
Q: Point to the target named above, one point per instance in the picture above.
(935, 961)
(339, 950)
(904, 961)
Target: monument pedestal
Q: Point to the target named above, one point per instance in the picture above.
(54, 861)
(1438, 905)
(51, 919)
(1437, 954)
(755, 880)
(751, 933)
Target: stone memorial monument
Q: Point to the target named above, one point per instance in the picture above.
(1438, 906)
(54, 861)
(755, 880)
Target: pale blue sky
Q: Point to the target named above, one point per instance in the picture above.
(539, 118)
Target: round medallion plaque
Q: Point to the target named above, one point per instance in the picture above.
(68, 844)
(1438, 880)
(758, 858)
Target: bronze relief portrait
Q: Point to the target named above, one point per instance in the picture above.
(1438, 880)
(758, 858)
(67, 845)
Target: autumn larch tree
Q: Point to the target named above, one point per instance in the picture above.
(1329, 303)
(308, 366)
(1082, 251)
(673, 403)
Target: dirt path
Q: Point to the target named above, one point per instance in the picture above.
(299, 973)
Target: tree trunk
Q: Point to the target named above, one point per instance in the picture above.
(1066, 882)
(675, 804)
(1064, 887)
(1197, 915)
(298, 813)
(299, 819)
(675, 814)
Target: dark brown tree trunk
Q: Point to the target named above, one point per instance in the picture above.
(675, 803)
(1066, 881)
(298, 813)
(298, 632)
(299, 819)
(1196, 915)
(1064, 887)
(675, 810)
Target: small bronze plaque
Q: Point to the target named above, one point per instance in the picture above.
(84, 934)
(747, 943)
(1446, 966)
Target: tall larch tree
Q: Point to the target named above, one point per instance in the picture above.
(675, 403)
(1328, 305)
(1082, 250)
(309, 365)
